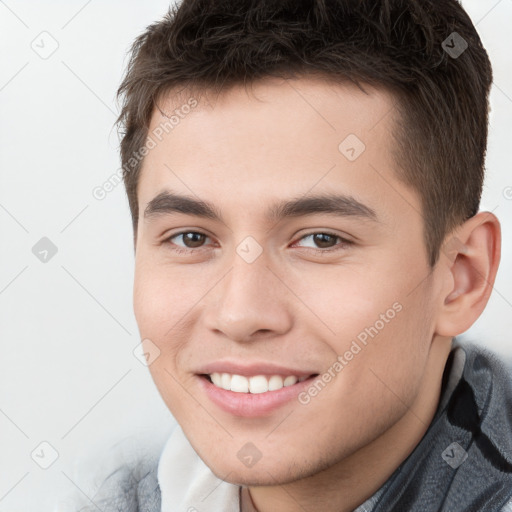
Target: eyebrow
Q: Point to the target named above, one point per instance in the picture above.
(340, 205)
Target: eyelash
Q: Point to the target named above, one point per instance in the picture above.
(344, 243)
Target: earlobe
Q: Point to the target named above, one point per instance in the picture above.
(471, 258)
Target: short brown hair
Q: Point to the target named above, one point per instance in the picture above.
(401, 45)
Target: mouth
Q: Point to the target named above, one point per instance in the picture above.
(252, 396)
(256, 384)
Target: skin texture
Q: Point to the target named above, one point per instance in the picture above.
(293, 306)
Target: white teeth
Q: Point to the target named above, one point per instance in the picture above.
(225, 382)
(216, 379)
(239, 384)
(258, 384)
(275, 382)
(255, 385)
(290, 381)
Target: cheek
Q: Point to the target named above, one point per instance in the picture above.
(167, 303)
(163, 296)
(380, 329)
(347, 303)
(396, 353)
(378, 302)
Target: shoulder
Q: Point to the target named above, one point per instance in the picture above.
(129, 487)
(479, 412)
(120, 477)
(132, 487)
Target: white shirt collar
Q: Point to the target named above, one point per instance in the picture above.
(187, 484)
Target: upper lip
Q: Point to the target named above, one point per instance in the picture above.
(251, 369)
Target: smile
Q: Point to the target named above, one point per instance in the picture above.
(252, 396)
(255, 385)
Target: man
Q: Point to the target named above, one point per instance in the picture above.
(304, 180)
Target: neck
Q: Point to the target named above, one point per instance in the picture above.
(350, 482)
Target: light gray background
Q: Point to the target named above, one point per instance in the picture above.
(68, 375)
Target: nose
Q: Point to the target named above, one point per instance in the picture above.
(249, 302)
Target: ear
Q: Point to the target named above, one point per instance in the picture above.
(468, 263)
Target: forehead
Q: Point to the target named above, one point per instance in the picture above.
(278, 138)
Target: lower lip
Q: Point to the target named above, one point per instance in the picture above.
(251, 405)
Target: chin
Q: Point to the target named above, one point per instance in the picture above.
(263, 473)
(262, 477)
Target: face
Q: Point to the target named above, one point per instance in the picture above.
(278, 256)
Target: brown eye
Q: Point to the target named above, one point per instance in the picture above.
(189, 239)
(321, 242)
(193, 240)
(324, 239)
